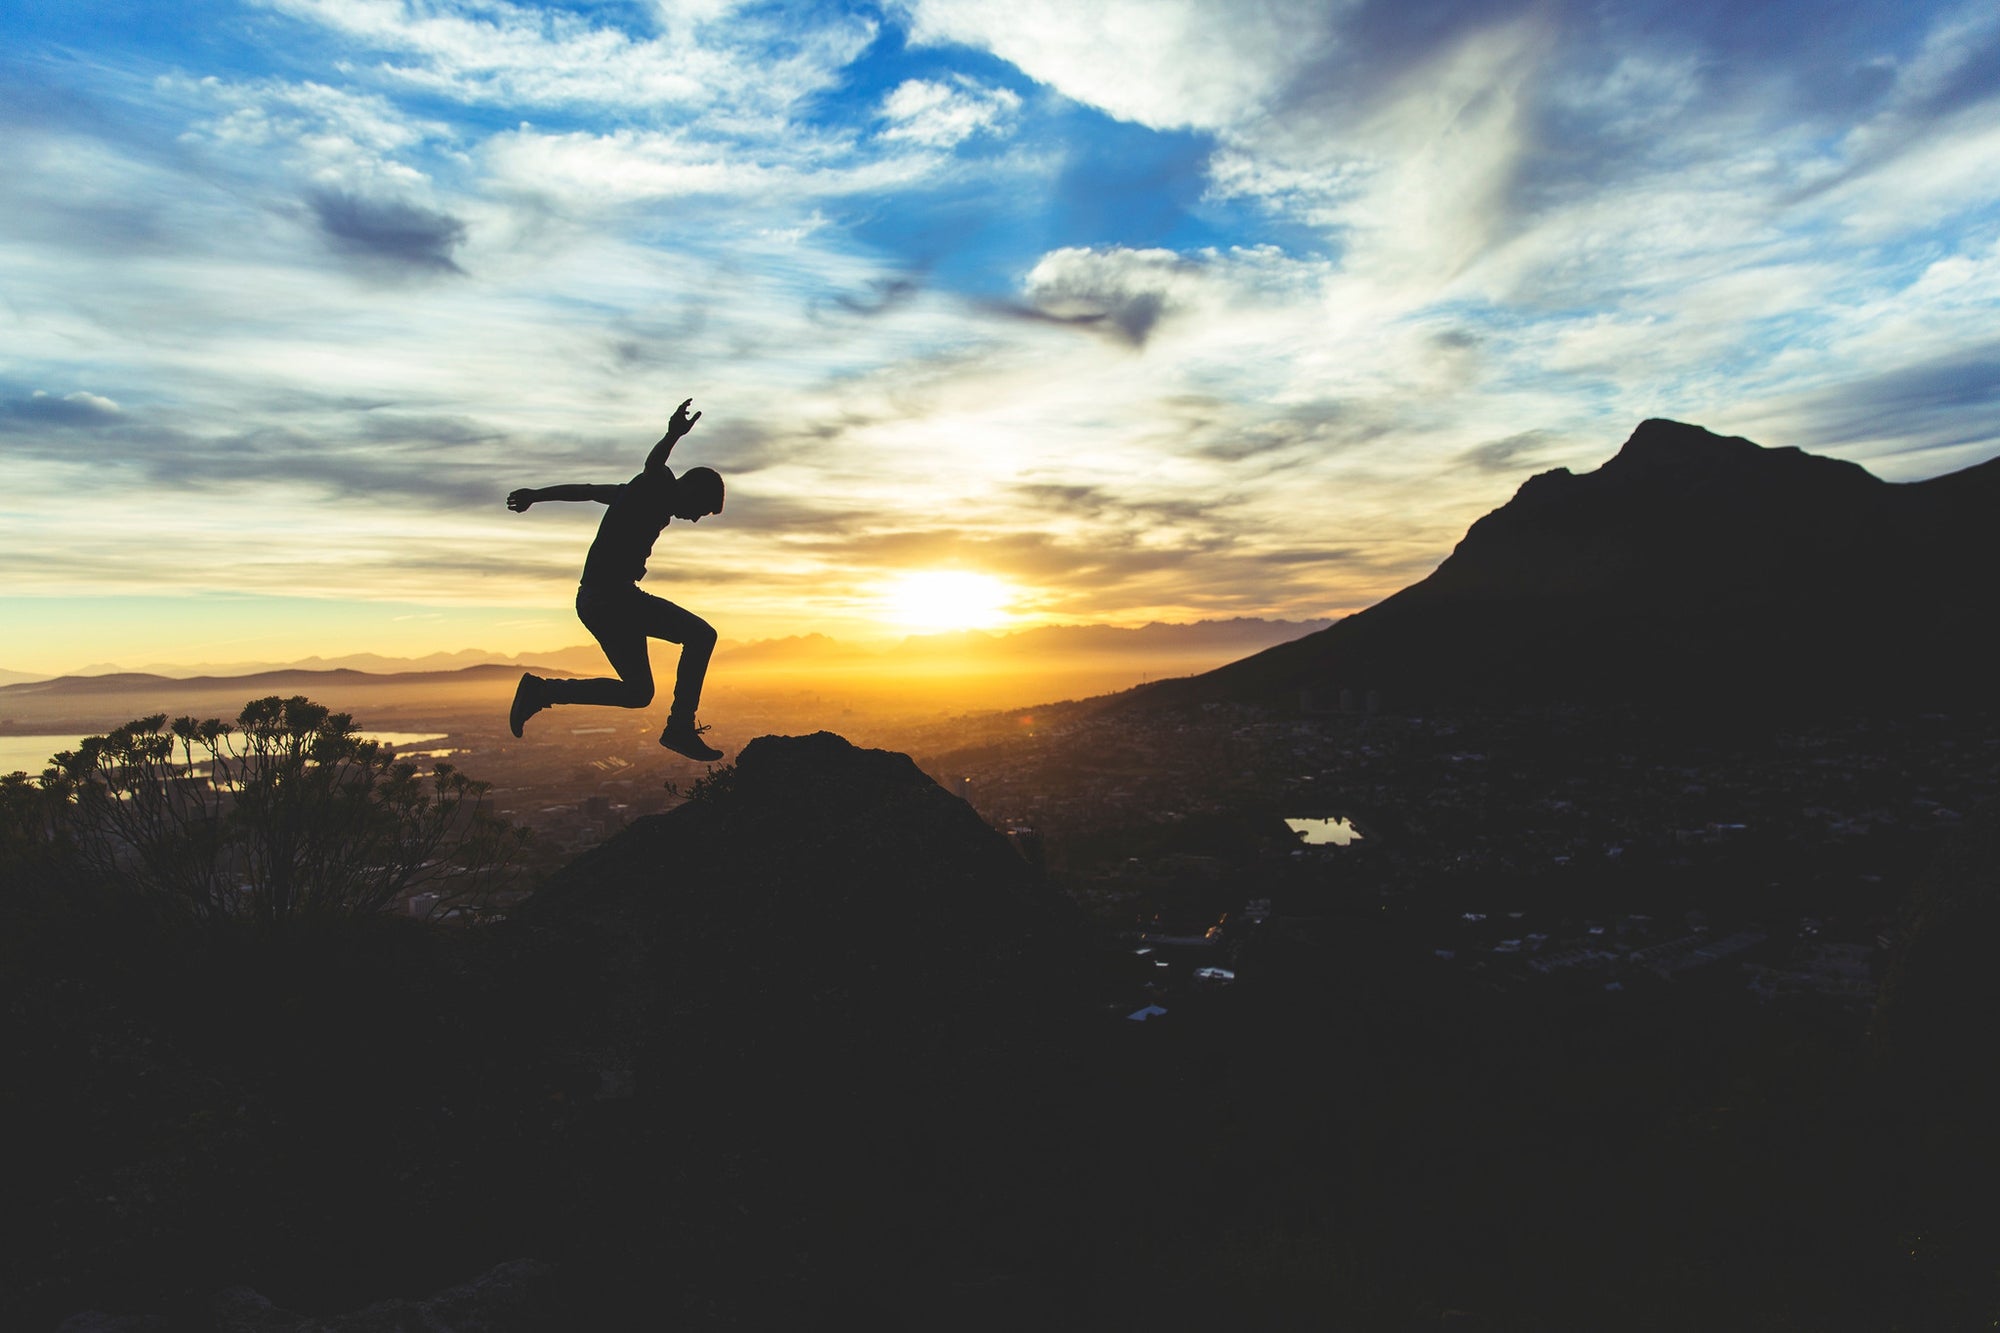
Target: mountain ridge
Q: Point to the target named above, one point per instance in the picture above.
(1689, 568)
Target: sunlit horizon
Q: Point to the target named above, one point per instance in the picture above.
(300, 631)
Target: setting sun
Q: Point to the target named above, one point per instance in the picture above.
(946, 599)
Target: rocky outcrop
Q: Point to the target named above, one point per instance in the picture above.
(810, 869)
(829, 999)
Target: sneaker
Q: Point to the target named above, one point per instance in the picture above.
(682, 736)
(527, 702)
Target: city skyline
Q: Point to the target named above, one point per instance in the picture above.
(997, 314)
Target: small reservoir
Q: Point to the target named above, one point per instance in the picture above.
(31, 754)
(1320, 832)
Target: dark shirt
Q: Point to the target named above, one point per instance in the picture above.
(632, 523)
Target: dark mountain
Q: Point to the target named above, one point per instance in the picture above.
(1691, 568)
(271, 682)
(793, 649)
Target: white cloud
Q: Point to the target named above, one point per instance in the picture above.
(1128, 291)
(274, 111)
(492, 51)
(1131, 294)
(91, 402)
(1953, 166)
(939, 114)
(327, 137)
(1440, 155)
(579, 172)
(1164, 63)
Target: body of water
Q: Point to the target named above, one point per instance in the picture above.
(1319, 832)
(31, 754)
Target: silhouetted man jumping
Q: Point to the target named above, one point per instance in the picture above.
(621, 617)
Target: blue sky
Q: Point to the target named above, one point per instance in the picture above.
(1151, 310)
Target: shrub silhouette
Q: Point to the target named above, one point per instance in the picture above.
(288, 813)
(717, 784)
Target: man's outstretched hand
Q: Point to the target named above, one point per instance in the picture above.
(682, 422)
(679, 426)
(518, 501)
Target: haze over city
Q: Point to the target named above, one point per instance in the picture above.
(999, 315)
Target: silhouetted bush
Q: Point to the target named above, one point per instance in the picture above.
(715, 785)
(288, 813)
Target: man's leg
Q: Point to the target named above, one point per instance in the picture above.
(617, 621)
(677, 624)
(621, 622)
(697, 640)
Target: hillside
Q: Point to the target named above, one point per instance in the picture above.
(1689, 569)
(747, 1055)
(819, 1049)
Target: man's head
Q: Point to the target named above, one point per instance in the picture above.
(697, 493)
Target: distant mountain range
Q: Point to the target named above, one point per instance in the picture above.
(1690, 568)
(88, 703)
(960, 671)
(1172, 643)
(123, 682)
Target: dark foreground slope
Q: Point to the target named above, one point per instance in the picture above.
(740, 1065)
(1690, 568)
(812, 1051)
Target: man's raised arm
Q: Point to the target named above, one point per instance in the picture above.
(681, 424)
(518, 501)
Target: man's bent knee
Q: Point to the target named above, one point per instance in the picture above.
(636, 694)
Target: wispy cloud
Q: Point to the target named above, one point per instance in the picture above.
(940, 114)
(700, 56)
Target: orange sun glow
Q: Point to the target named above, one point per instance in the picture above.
(946, 599)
